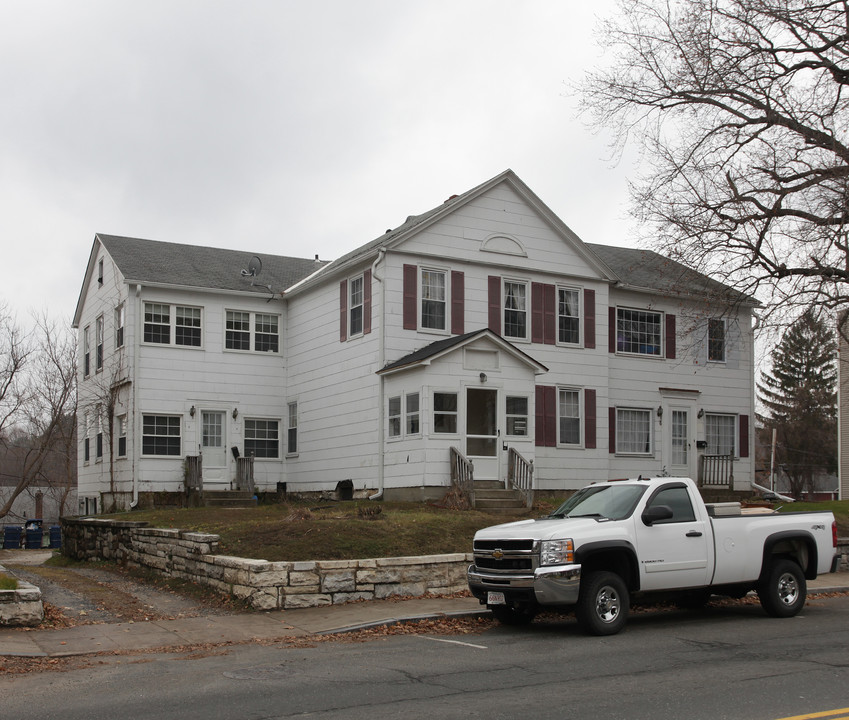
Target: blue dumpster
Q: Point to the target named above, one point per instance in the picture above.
(12, 537)
(55, 536)
(34, 538)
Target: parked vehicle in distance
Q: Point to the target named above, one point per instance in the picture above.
(618, 539)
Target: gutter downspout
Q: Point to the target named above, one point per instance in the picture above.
(136, 343)
(381, 361)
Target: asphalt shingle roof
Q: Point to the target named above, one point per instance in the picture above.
(167, 263)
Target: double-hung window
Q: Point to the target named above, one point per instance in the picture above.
(444, 412)
(568, 416)
(355, 307)
(252, 331)
(86, 351)
(633, 431)
(719, 434)
(163, 322)
(86, 437)
(434, 299)
(716, 340)
(639, 332)
(98, 440)
(119, 325)
(161, 435)
(122, 436)
(292, 432)
(568, 316)
(515, 309)
(403, 416)
(517, 416)
(262, 438)
(98, 343)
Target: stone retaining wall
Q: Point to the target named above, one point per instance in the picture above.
(22, 606)
(262, 584)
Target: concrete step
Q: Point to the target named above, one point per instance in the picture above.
(229, 498)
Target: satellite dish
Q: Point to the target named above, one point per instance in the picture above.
(254, 267)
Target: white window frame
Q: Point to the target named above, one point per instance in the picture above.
(99, 332)
(393, 417)
(98, 436)
(255, 438)
(169, 417)
(633, 451)
(86, 438)
(172, 325)
(360, 305)
(526, 311)
(292, 428)
(561, 418)
(121, 422)
(251, 331)
(401, 416)
(445, 301)
(712, 447)
(446, 413)
(512, 418)
(620, 334)
(87, 351)
(412, 415)
(711, 324)
(578, 315)
(120, 321)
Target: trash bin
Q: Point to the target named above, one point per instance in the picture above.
(55, 536)
(34, 538)
(12, 537)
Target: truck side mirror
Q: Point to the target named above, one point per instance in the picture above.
(656, 513)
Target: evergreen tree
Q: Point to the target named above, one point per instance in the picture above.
(800, 396)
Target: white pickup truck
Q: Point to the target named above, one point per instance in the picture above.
(612, 540)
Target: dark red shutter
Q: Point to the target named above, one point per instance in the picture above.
(670, 337)
(744, 436)
(545, 433)
(589, 419)
(411, 275)
(611, 329)
(343, 311)
(458, 302)
(494, 301)
(367, 301)
(549, 311)
(589, 318)
(611, 424)
(537, 318)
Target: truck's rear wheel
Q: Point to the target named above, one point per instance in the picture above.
(783, 589)
(603, 603)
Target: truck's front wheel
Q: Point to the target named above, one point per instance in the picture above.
(603, 603)
(782, 590)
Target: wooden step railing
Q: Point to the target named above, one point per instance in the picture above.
(463, 475)
(716, 471)
(520, 475)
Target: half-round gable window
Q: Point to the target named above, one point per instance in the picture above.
(503, 245)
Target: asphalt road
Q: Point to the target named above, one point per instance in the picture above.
(733, 663)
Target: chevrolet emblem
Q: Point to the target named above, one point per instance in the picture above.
(498, 554)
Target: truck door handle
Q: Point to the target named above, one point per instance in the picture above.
(694, 533)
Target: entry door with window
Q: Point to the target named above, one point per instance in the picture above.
(482, 432)
(678, 455)
(213, 446)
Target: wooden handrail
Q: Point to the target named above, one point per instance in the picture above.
(716, 471)
(463, 475)
(520, 475)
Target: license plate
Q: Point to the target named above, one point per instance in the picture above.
(495, 598)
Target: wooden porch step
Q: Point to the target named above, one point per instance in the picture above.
(491, 496)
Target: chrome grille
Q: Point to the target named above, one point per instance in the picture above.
(507, 556)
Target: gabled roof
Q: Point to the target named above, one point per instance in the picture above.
(435, 350)
(152, 262)
(647, 270)
(416, 223)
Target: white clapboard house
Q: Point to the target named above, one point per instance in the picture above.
(483, 333)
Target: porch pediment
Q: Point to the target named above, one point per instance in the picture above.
(479, 340)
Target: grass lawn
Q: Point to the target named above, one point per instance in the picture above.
(333, 531)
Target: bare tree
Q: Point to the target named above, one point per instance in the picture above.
(42, 401)
(740, 107)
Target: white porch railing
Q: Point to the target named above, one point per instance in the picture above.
(716, 471)
(520, 475)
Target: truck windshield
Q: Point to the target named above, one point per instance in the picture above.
(614, 502)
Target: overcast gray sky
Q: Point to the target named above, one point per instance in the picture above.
(281, 127)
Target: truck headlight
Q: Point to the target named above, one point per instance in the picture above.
(556, 552)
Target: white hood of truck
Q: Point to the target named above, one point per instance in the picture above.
(543, 529)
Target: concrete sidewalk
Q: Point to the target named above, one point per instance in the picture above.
(109, 637)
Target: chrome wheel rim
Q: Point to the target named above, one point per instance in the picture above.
(788, 589)
(607, 605)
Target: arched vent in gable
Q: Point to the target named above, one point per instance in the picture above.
(503, 245)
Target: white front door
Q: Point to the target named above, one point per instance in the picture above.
(482, 432)
(213, 446)
(678, 440)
